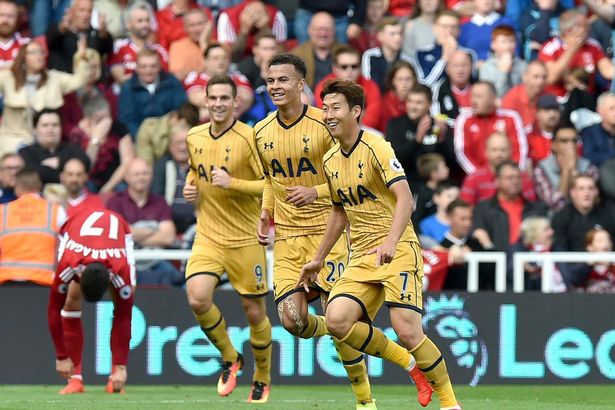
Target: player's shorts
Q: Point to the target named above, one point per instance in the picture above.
(245, 267)
(289, 256)
(396, 284)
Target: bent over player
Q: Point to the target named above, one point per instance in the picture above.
(226, 182)
(369, 190)
(95, 254)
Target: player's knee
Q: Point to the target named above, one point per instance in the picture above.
(199, 305)
(409, 336)
(291, 325)
(337, 324)
(255, 313)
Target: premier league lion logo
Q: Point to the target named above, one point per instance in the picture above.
(451, 328)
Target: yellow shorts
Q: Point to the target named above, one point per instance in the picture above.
(245, 267)
(289, 256)
(397, 284)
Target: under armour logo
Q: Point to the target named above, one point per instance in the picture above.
(405, 296)
(268, 145)
(335, 174)
(360, 165)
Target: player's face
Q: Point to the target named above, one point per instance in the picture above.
(48, 130)
(8, 19)
(140, 24)
(417, 106)
(339, 118)
(284, 84)
(73, 177)
(220, 102)
(347, 67)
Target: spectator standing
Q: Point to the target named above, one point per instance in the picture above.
(599, 139)
(474, 126)
(150, 93)
(106, 142)
(74, 176)
(539, 24)
(186, 54)
(170, 21)
(523, 97)
(497, 221)
(63, 38)
(45, 13)
(583, 213)
(419, 29)
(476, 33)
(48, 151)
(376, 9)
(151, 223)
(139, 17)
(480, 185)
(554, 173)
(376, 61)
(30, 226)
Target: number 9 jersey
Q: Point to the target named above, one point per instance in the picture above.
(96, 235)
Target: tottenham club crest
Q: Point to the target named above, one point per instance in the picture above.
(228, 151)
(395, 165)
(450, 326)
(360, 165)
(306, 139)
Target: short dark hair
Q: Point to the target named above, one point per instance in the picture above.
(421, 89)
(222, 79)
(387, 21)
(28, 179)
(352, 91)
(345, 49)
(65, 161)
(564, 126)
(94, 281)
(506, 163)
(38, 114)
(444, 185)
(489, 84)
(210, 47)
(287, 58)
(264, 33)
(428, 163)
(189, 113)
(457, 203)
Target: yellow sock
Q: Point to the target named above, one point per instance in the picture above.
(315, 327)
(260, 340)
(354, 363)
(431, 363)
(214, 326)
(372, 341)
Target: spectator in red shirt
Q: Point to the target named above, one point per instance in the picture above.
(170, 21)
(10, 40)
(474, 126)
(238, 25)
(573, 49)
(398, 82)
(347, 66)
(74, 176)
(523, 97)
(366, 39)
(123, 61)
(480, 185)
(217, 62)
(548, 117)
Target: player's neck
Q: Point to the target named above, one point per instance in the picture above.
(218, 128)
(290, 112)
(348, 140)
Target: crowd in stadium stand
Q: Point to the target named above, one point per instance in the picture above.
(500, 111)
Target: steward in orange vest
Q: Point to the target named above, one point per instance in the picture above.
(29, 229)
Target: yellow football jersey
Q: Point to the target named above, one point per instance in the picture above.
(227, 217)
(359, 181)
(292, 155)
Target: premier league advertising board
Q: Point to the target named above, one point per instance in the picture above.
(486, 338)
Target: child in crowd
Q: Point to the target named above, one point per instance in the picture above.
(435, 226)
(432, 169)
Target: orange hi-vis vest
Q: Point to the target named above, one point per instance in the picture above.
(28, 240)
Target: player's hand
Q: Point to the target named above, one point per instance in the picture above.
(384, 253)
(220, 178)
(118, 378)
(64, 367)
(191, 192)
(309, 273)
(262, 230)
(301, 196)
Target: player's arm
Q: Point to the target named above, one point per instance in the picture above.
(120, 339)
(302, 195)
(336, 223)
(222, 179)
(401, 218)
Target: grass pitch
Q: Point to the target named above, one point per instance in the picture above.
(306, 397)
